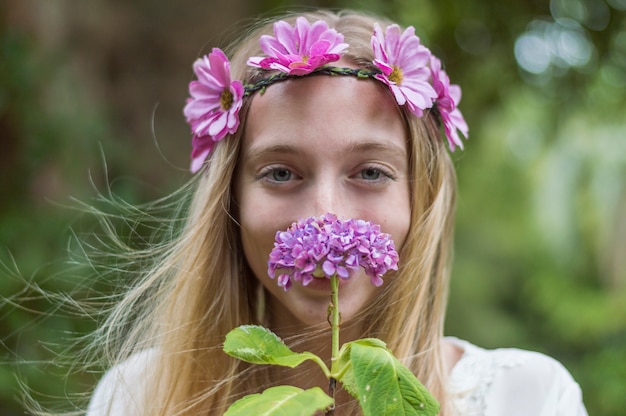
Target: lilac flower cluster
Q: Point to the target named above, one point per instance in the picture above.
(326, 246)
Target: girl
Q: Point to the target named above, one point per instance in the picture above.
(318, 113)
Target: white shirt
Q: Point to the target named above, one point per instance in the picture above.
(512, 382)
(501, 382)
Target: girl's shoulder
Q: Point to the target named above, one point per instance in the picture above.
(121, 391)
(505, 381)
(513, 382)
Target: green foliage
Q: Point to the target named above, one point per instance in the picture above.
(382, 384)
(367, 370)
(281, 401)
(258, 345)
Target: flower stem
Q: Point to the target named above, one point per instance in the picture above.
(334, 326)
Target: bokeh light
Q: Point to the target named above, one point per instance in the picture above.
(545, 45)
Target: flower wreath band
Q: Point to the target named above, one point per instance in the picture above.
(412, 73)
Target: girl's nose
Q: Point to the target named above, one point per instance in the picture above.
(327, 196)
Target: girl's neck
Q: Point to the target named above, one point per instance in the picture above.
(300, 336)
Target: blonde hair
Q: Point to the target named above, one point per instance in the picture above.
(200, 287)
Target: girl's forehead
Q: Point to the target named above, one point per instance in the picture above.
(322, 113)
(322, 96)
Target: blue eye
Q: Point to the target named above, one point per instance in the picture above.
(280, 175)
(370, 174)
(275, 175)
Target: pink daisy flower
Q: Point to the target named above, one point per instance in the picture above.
(404, 65)
(299, 49)
(213, 109)
(448, 98)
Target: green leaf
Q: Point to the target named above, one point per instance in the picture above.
(345, 363)
(346, 377)
(281, 401)
(382, 384)
(258, 345)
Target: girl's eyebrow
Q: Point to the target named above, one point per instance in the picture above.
(384, 148)
(256, 153)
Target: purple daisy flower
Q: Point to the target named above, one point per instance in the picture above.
(448, 98)
(213, 109)
(299, 49)
(403, 62)
(326, 246)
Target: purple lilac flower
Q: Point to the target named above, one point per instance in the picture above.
(213, 109)
(299, 49)
(404, 65)
(448, 98)
(326, 246)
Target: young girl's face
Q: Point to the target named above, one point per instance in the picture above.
(311, 146)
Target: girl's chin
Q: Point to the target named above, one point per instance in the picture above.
(308, 305)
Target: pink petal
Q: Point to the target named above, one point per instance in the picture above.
(220, 66)
(408, 42)
(306, 279)
(392, 38)
(320, 60)
(435, 64)
(284, 281)
(455, 93)
(201, 68)
(416, 63)
(197, 109)
(319, 48)
(279, 67)
(384, 67)
(459, 122)
(200, 125)
(269, 44)
(197, 162)
(300, 68)
(218, 123)
(338, 47)
(320, 31)
(376, 281)
(453, 137)
(377, 42)
(232, 121)
(266, 63)
(302, 35)
(285, 37)
(199, 90)
(255, 61)
(421, 87)
(329, 268)
(397, 93)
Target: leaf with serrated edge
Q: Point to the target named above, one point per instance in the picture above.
(258, 345)
(345, 365)
(281, 401)
(345, 368)
(384, 386)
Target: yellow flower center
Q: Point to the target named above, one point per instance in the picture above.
(226, 100)
(396, 75)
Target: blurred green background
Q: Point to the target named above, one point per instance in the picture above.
(91, 97)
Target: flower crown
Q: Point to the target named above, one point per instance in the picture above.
(412, 73)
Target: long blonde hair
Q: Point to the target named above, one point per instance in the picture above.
(200, 287)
